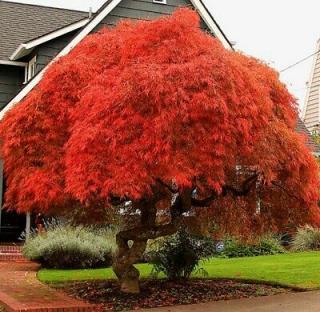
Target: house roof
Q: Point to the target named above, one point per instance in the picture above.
(37, 21)
(217, 26)
(314, 147)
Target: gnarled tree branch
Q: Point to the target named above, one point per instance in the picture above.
(170, 188)
(227, 189)
(244, 190)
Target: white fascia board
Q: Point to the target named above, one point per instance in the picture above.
(91, 26)
(25, 48)
(20, 52)
(211, 23)
(12, 63)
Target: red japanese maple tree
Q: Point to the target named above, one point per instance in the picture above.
(151, 111)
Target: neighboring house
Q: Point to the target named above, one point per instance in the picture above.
(311, 111)
(313, 146)
(33, 36)
(310, 123)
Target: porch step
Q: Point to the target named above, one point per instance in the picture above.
(10, 249)
(11, 253)
(5, 257)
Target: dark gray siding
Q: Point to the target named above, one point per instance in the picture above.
(143, 10)
(11, 79)
(132, 9)
(47, 51)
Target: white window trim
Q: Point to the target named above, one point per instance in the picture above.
(30, 70)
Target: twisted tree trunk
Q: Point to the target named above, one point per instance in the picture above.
(125, 259)
(127, 256)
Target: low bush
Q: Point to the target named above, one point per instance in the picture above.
(266, 245)
(179, 255)
(307, 238)
(67, 247)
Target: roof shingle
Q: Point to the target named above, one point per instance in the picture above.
(313, 146)
(20, 23)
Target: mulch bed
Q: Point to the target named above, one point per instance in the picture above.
(162, 293)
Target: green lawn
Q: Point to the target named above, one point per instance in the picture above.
(293, 269)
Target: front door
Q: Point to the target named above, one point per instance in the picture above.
(11, 224)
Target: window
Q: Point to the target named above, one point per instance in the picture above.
(31, 69)
(160, 1)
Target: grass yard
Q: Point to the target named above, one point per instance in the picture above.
(293, 269)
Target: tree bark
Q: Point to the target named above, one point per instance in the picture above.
(128, 254)
(125, 259)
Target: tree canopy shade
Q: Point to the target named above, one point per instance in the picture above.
(149, 110)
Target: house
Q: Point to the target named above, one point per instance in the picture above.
(310, 123)
(313, 146)
(33, 36)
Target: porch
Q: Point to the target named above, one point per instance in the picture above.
(14, 228)
(12, 224)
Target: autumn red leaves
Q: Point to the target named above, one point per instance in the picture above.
(156, 101)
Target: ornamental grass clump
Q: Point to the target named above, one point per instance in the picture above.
(68, 247)
(307, 238)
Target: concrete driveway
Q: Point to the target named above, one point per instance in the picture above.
(293, 302)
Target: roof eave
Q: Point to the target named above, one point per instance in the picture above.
(13, 63)
(211, 23)
(26, 48)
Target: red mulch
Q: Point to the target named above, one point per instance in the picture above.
(162, 293)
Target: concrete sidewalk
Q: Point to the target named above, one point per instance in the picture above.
(293, 302)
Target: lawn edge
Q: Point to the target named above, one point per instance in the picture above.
(243, 280)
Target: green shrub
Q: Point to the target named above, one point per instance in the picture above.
(179, 255)
(307, 238)
(67, 247)
(266, 245)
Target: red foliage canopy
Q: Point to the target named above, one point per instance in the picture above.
(148, 102)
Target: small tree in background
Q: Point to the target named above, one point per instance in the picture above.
(158, 114)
